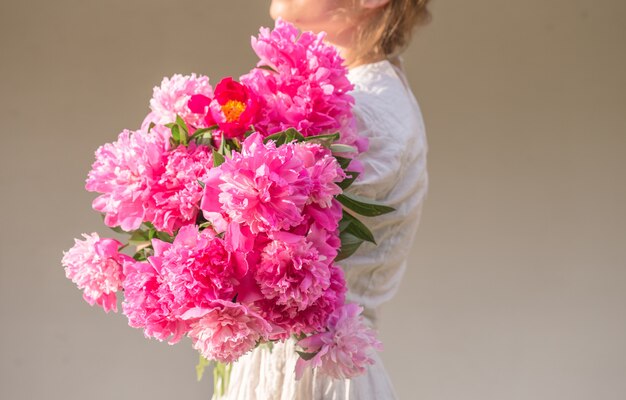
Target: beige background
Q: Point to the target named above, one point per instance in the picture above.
(517, 282)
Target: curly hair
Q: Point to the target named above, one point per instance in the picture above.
(388, 29)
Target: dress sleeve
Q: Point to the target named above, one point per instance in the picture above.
(394, 173)
(383, 159)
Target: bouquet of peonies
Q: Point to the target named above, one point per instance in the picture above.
(234, 201)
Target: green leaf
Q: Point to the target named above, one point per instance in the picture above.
(267, 68)
(349, 180)
(222, 149)
(227, 152)
(357, 228)
(236, 144)
(306, 356)
(202, 184)
(200, 367)
(368, 208)
(183, 130)
(199, 132)
(343, 224)
(166, 237)
(349, 244)
(205, 140)
(218, 159)
(331, 137)
(140, 255)
(286, 136)
(204, 225)
(292, 134)
(221, 378)
(343, 161)
(342, 148)
(275, 137)
(117, 229)
(176, 134)
(182, 124)
(138, 237)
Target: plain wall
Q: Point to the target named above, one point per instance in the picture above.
(517, 279)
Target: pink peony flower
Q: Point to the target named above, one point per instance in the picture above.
(124, 172)
(343, 351)
(146, 303)
(226, 330)
(171, 98)
(175, 197)
(95, 266)
(142, 180)
(263, 187)
(244, 248)
(314, 318)
(194, 271)
(309, 91)
(327, 218)
(293, 271)
(324, 170)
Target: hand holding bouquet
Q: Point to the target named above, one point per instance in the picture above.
(233, 199)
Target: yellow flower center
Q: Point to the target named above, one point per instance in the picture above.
(232, 110)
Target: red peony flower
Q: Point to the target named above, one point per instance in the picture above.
(234, 108)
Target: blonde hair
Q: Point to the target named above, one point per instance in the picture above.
(387, 30)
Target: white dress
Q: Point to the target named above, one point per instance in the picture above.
(395, 174)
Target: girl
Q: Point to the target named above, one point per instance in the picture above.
(369, 34)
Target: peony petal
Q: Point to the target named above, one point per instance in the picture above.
(198, 104)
